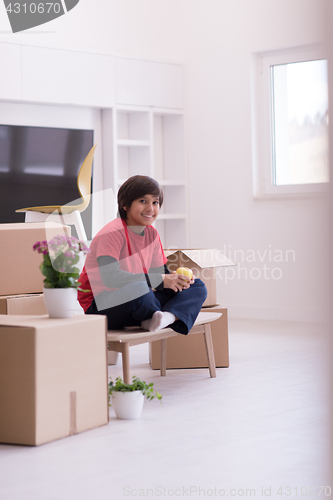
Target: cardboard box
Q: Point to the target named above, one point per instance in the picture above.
(53, 377)
(29, 304)
(203, 263)
(189, 351)
(33, 304)
(19, 264)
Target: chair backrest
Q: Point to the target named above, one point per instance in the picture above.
(84, 179)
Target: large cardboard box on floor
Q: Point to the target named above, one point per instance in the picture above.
(53, 377)
(19, 263)
(29, 304)
(189, 351)
(204, 263)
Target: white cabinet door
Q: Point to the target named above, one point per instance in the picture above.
(10, 81)
(67, 77)
(146, 83)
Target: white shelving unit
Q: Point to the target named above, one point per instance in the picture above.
(150, 141)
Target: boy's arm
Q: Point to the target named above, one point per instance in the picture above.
(155, 277)
(114, 277)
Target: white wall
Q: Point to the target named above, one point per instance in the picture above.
(216, 39)
(330, 267)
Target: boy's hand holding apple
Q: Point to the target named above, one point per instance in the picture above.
(179, 280)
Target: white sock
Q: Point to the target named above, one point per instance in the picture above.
(158, 321)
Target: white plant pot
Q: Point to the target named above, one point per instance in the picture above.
(127, 405)
(60, 302)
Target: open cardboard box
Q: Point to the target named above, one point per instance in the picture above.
(53, 377)
(204, 263)
(19, 263)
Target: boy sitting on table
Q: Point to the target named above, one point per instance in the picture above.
(126, 270)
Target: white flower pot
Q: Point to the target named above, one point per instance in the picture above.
(60, 302)
(127, 405)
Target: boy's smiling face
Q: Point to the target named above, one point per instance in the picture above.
(143, 211)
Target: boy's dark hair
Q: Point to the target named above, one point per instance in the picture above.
(135, 187)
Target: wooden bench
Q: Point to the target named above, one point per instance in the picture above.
(122, 340)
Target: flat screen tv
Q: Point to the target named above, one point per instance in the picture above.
(39, 166)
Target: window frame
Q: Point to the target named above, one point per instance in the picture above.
(262, 122)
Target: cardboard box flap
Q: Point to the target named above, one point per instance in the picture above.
(18, 226)
(205, 258)
(24, 304)
(17, 320)
(36, 321)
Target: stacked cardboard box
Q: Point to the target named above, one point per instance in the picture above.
(189, 351)
(19, 264)
(21, 281)
(32, 303)
(53, 377)
(53, 372)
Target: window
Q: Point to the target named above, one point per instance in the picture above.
(291, 122)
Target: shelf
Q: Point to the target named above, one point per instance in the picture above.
(133, 128)
(168, 147)
(132, 143)
(150, 141)
(133, 160)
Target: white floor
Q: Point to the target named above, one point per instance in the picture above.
(260, 425)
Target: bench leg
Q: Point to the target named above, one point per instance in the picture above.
(163, 357)
(210, 350)
(126, 364)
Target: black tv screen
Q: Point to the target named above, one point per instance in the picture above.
(39, 166)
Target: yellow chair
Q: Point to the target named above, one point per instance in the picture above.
(67, 214)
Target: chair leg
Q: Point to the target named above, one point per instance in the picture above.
(210, 350)
(163, 357)
(126, 364)
(77, 221)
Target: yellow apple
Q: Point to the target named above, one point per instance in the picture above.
(185, 271)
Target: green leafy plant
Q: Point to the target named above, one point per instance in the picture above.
(60, 256)
(136, 385)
